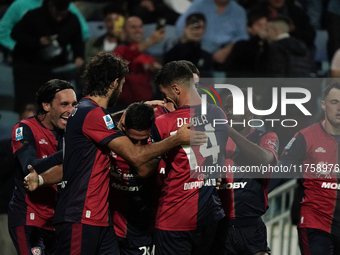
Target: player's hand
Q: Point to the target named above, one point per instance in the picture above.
(31, 181)
(190, 137)
(218, 183)
(155, 103)
(121, 123)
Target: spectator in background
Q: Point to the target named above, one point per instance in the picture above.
(332, 25)
(92, 10)
(18, 9)
(138, 85)
(335, 65)
(7, 175)
(286, 56)
(114, 18)
(150, 10)
(42, 36)
(300, 27)
(248, 56)
(226, 24)
(188, 47)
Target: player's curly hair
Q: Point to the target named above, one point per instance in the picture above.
(101, 71)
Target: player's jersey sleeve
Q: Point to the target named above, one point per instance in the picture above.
(24, 149)
(270, 142)
(100, 127)
(294, 152)
(155, 136)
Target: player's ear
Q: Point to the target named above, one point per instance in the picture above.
(176, 88)
(46, 106)
(323, 105)
(114, 84)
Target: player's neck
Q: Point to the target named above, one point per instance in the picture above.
(330, 128)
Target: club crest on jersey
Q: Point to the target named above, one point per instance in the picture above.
(108, 121)
(19, 134)
(36, 250)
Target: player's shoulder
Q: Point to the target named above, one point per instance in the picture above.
(312, 130)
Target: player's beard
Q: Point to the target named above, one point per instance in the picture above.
(114, 97)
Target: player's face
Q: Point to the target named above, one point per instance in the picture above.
(115, 94)
(169, 95)
(331, 106)
(138, 137)
(60, 109)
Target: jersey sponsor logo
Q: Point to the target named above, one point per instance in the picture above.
(43, 141)
(233, 185)
(88, 214)
(126, 187)
(36, 250)
(108, 121)
(114, 155)
(330, 185)
(62, 184)
(199, 184)
(162, 170)
(19, 134)
(290, 143)
(32, 216)
(320, 149)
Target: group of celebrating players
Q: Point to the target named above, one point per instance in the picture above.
(130, 187)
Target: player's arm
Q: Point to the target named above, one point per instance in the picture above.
(26, 152)
(292, 155)
(148, 168)
(139, 155)
(52, 176)
(254, 153)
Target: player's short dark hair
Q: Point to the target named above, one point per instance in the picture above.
(113, 8)
(103, 69)
(335, 85)
(47, 92)
(173, 72)
(139, 116)
(192, 67)
(195, 17)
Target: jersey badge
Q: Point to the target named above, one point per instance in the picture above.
(36, 250)
(19, 134)
(290, 143)
(108, 121)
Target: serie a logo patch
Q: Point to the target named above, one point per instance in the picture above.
(108, 121)
(19, 134)
(36, 250)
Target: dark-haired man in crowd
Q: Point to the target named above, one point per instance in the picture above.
(37, 141)
(42, 37)
(114, 18)
(189, 47)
